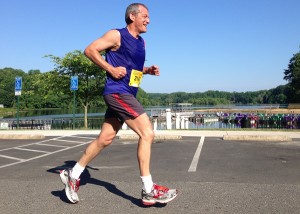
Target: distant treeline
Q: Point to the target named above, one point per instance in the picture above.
(278, 95)
(51, 90)
(283, 94)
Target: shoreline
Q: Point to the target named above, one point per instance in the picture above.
(253, 111)
(232, 110)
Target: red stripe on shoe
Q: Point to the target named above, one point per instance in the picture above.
(125, 105)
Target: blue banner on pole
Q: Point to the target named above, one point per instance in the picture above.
(18, 84)
(74, 83)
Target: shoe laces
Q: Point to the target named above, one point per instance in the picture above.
(74, 183)
(159, 190)
(77, 185)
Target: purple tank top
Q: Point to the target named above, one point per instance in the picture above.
(131, 55)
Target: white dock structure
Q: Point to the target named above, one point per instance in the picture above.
(180, 113)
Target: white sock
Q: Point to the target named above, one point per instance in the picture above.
(76, 171)
(147, 183)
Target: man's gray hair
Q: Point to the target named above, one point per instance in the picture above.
(133, 8)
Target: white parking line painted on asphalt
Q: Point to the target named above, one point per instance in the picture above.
(193, 166)
(19, 161)
(10, 157)
(90, 138)
(32, 143)
(44, 144)
(71, 141)
(31, 150)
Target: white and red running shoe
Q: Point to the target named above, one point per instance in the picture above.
(159, 194)
(71, 185)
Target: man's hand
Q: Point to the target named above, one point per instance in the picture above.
(118, 72)
(153, 70)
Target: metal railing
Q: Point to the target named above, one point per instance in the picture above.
(51, 123)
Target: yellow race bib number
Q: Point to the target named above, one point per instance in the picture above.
(135, 78)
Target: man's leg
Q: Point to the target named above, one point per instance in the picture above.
(151, 193)
(70, 178)
(109, 130)
(142, 126)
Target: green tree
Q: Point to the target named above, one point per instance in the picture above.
(7, 85)
(277, 95)
(143, 98)
(90, 77)
(53, 89)
(30, 99)
(292, 75)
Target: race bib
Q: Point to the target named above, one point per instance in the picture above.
(135, 78)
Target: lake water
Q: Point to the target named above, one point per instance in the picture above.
(63, 118)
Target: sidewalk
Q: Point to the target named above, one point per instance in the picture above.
(232, 134)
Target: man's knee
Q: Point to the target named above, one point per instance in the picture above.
(148, 135)
(102, 141)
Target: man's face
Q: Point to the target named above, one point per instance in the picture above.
(141, 20)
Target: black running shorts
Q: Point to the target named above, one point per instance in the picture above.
(122, 106)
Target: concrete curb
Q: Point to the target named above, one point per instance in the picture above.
(257, 137)
(157, 137)
(21, 136)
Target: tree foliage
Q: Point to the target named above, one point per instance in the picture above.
(292, 75)
(52, 90)
(91, 77)
(7, 85)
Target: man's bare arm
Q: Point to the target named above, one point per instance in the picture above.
(110, 40)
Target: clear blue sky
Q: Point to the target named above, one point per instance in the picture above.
(200, 45)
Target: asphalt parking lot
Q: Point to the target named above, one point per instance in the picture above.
(212, 175)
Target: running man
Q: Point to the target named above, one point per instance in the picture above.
(124, 66)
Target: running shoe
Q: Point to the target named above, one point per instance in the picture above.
(159, 194)
(71, 185)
